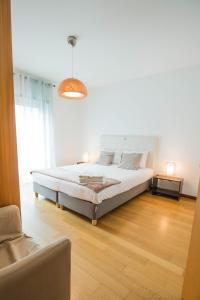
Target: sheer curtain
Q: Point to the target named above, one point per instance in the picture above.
(34, 106)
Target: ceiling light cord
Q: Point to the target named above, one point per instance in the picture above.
(72, 62)
(72, 39)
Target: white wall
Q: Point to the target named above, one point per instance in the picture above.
(68, 120)
(165, 105)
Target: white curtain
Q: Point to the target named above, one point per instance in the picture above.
(33, 105)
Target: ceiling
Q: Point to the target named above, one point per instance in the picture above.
(118, 39)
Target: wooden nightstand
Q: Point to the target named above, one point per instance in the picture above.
(167, 185)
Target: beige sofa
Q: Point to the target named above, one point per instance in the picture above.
(28, 271)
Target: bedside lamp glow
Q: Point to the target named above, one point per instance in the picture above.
(170, 168)
(85, 157)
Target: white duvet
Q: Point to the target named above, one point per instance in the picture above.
(128, 178)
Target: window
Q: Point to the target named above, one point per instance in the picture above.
(34, 101)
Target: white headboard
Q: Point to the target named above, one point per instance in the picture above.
(133, 143)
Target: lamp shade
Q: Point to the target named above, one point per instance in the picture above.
(72, 88)
(86, 157)
(170, 168)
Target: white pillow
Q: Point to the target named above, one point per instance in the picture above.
(105, 158)
(130, 161)
(143, 160)
(117, 157)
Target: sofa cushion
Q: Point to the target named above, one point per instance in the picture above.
(10, 222)
(15, 249)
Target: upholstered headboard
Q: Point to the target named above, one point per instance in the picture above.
(133, 143)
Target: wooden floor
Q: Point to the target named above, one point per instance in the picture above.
(136, 252)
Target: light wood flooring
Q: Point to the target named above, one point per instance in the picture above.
(136, 252)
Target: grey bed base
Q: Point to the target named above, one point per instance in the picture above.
(89, 209)
(46, 192)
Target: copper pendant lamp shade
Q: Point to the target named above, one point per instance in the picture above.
(72, 88)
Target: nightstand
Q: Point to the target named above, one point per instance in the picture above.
(167, 185)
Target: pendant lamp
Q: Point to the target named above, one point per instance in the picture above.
(72, 88)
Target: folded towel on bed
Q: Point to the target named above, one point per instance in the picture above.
(98, 187)
(91, 179)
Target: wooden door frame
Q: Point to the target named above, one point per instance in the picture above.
(191, 287)
(9, 181)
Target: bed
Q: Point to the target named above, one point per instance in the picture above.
(94, 205)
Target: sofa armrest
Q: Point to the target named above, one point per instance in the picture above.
(10, 221)
(42, 275)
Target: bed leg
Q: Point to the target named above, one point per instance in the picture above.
(61, 206)
(94, 222)
(57, 205)
(36, 195)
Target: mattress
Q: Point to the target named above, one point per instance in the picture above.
(128, 178)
